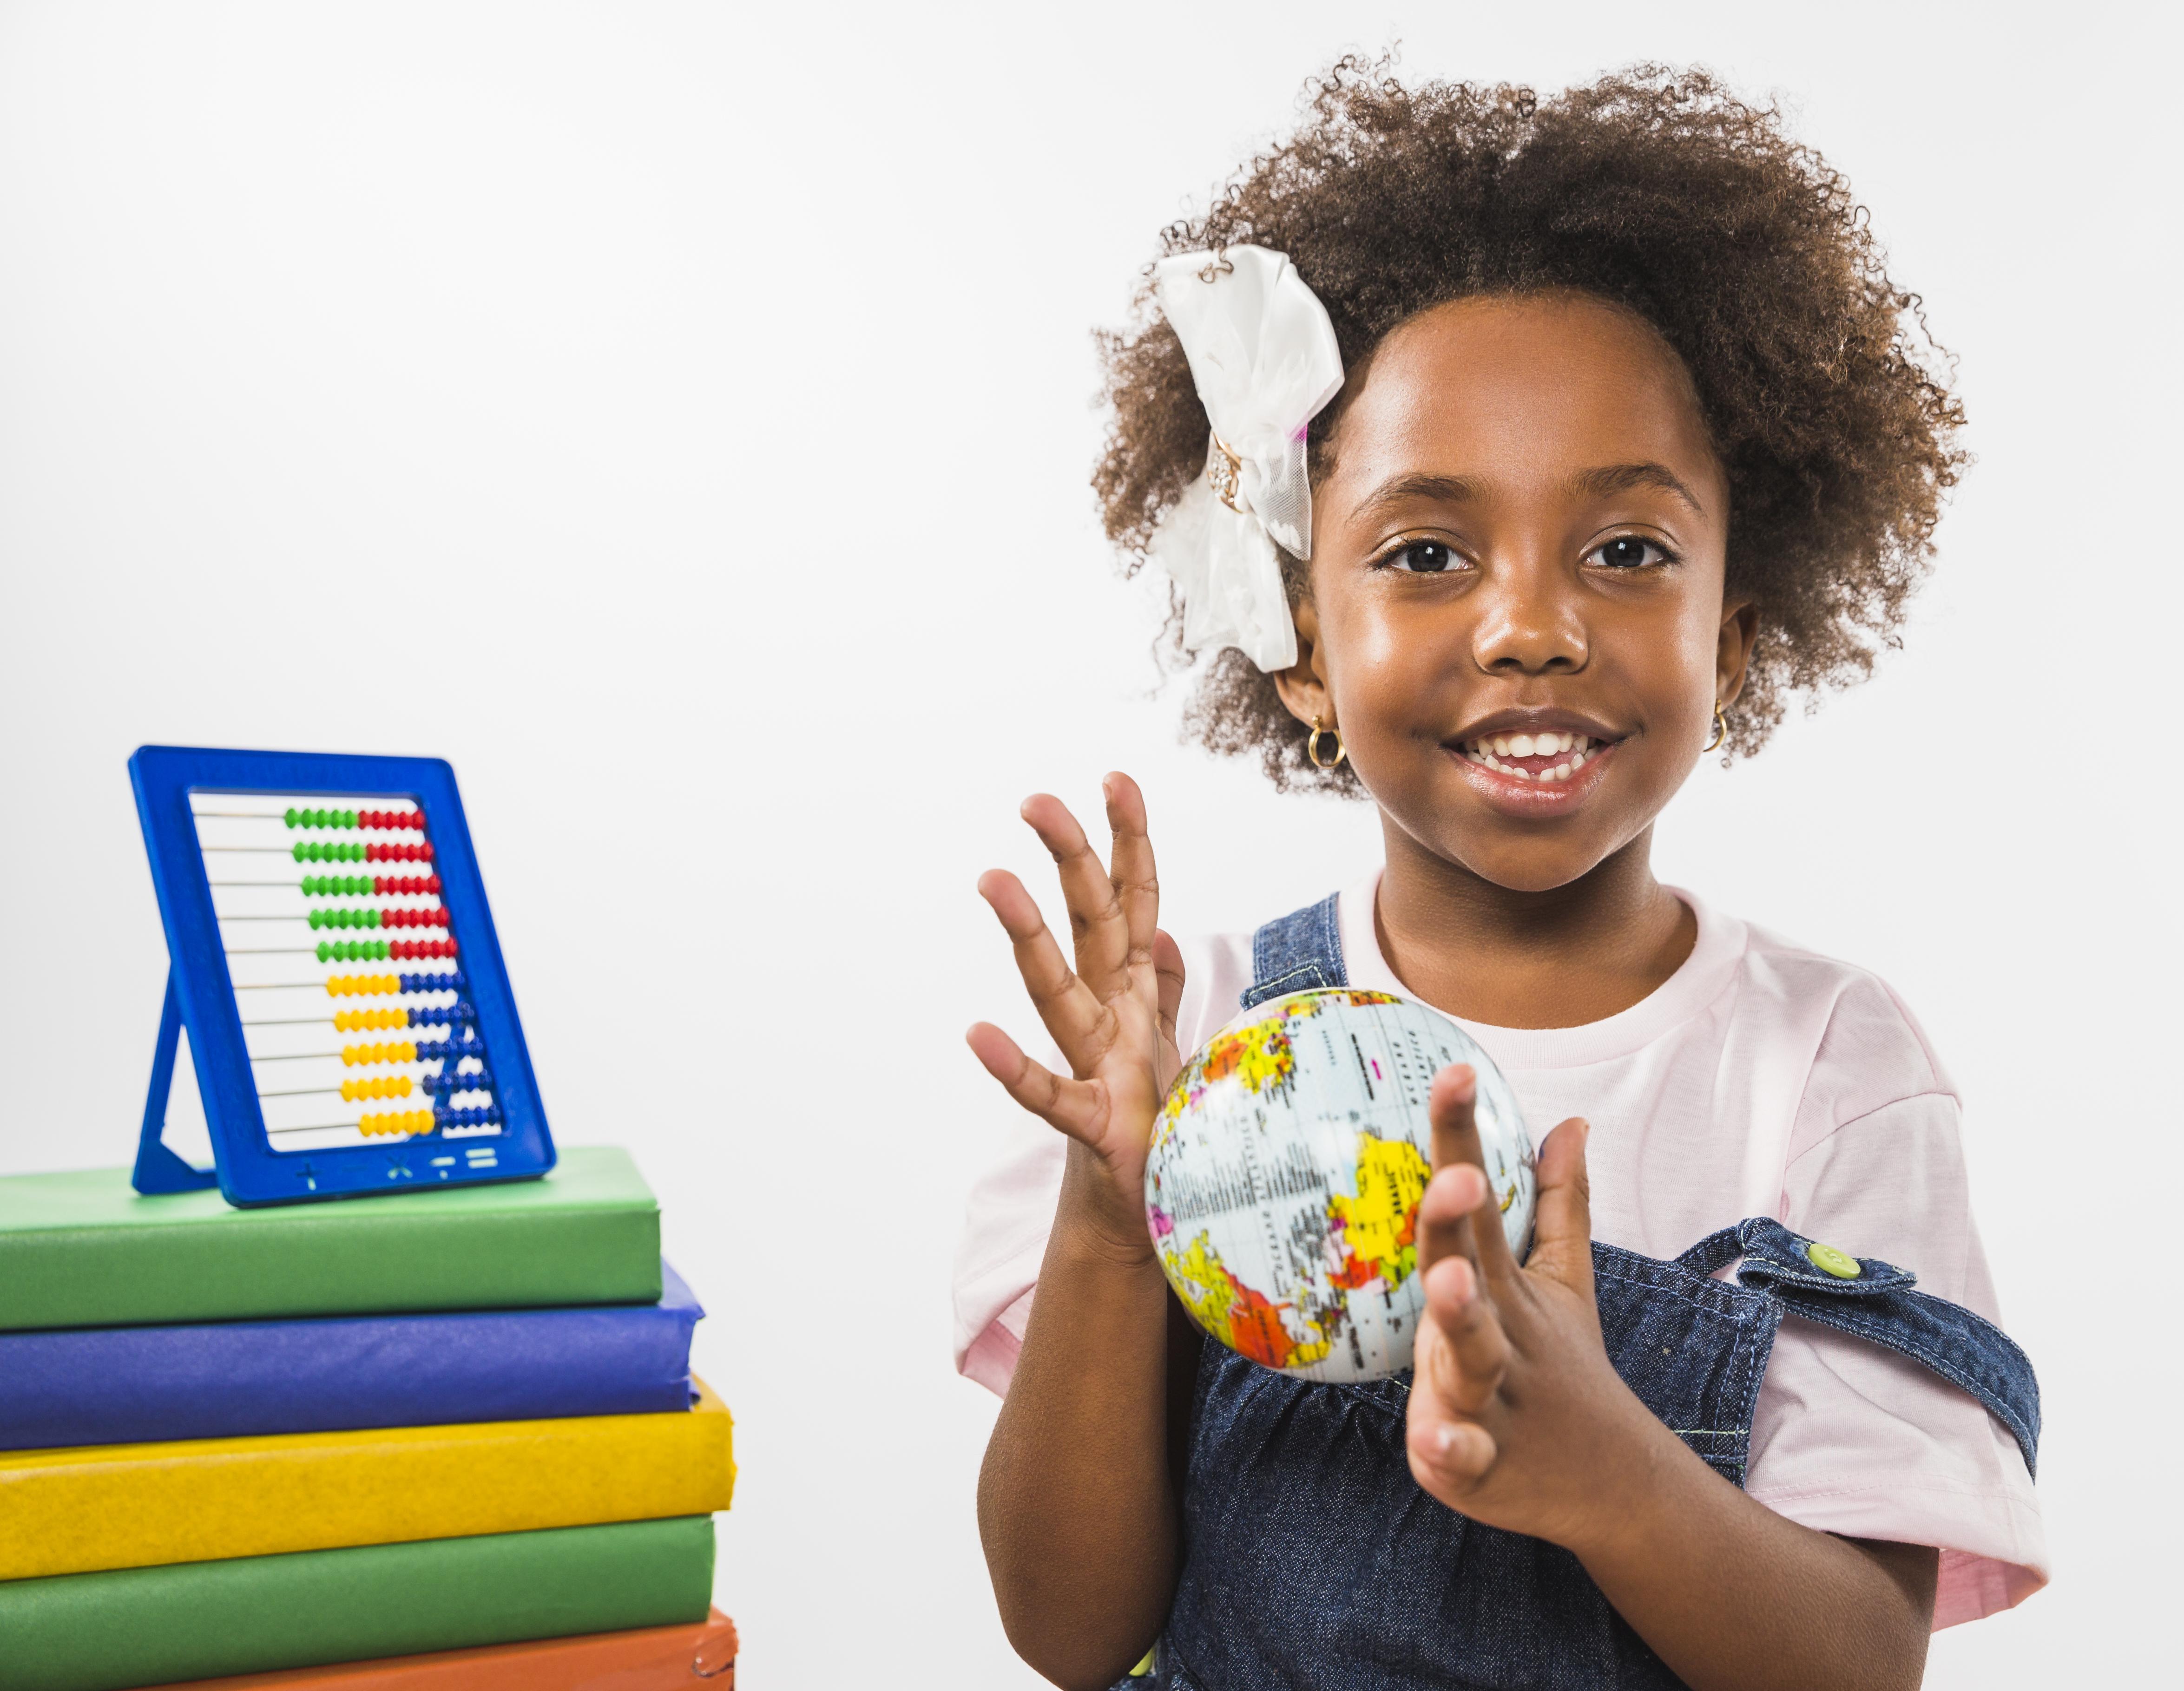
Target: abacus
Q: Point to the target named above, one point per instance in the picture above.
(332, 958)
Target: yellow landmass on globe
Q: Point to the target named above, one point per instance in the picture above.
(1379, 1225)
(1240, 1317)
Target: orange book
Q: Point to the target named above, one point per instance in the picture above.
(652, 1657)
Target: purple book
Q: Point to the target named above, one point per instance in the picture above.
(226, 1379)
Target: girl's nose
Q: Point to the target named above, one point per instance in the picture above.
(1530, 622)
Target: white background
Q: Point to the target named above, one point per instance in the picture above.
(679, 417)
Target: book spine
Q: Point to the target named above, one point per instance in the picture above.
(104, 1632)
(233, 1379)
(140, 1505)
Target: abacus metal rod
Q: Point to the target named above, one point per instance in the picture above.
(289, 1021)
(268, 951)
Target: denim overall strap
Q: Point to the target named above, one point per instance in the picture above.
(1303, 950)
(1877, 1303)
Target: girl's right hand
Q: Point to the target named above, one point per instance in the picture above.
(1113, 1018)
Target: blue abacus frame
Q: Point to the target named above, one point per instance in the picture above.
(201, 995)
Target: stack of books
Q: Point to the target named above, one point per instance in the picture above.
(442, 1426)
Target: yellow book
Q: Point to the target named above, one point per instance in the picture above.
(207, 1499)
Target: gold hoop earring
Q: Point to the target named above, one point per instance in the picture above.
(1720, 729)
(1311, 746)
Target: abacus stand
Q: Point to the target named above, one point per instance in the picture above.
(158, 1170)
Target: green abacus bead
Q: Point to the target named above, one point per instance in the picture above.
(290, 817)
(371, 919)
(379, 949)
(348, 819)
(356, 853)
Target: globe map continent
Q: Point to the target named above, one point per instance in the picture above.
(1283, 1184)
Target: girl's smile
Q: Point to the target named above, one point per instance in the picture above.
(1535, 763)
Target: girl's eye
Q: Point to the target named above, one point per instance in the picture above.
(1628, 551)
(1423, 558)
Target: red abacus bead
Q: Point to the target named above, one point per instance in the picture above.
(424, 851)
(433, 885)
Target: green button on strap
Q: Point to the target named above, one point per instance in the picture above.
(1829, 1260)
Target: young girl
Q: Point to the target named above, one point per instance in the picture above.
(1616, 438)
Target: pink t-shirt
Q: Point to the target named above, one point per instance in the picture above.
(1758, 1079)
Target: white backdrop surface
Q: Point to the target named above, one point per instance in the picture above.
(678, 417)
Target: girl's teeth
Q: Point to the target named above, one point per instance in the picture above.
(1582, 749)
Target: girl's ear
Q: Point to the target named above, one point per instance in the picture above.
(1740, 628)
(1302, 686)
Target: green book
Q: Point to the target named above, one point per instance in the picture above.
(84, 1249)
(102, 1631)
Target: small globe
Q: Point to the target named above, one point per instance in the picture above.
(1286, 1168)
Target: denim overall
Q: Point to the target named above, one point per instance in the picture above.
(1311, 1558)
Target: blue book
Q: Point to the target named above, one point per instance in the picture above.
(229, 1379)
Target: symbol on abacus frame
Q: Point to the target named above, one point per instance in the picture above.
(397, 1168)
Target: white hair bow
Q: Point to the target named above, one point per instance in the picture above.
(1264, 357)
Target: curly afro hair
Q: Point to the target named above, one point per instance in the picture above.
(1655, 189)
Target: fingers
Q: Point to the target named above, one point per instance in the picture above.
(1073, 1107)
(1131, 875)
(1167, 969)
(1452, 1106)
(1467, 1369)
(1077, 1020)
(1450, 1451)
(1445, 1212)
(1097, 925)
(1561, 1236)
(1448, 1457)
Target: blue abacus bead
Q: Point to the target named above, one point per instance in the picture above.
(409, 982)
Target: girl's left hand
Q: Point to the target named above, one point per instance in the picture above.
(1518, 1419)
